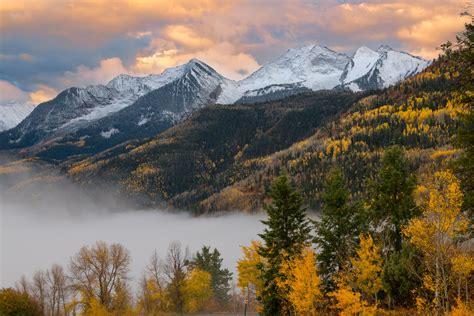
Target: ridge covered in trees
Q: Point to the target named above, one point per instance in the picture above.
(225, 157)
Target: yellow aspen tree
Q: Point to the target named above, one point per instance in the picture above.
(95, 308)
(359, 284)
(350, 303)
(247, 268)
(197, 290)
(153, 298)
(302, 281)
(461, 309)
(463, 267)
(437, 233)
(367, 268)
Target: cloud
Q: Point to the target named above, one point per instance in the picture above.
(222, 57)
(10, 57)
(186, 36)
(84, 76)
(9, 92)
(61, 43)
(42, 94)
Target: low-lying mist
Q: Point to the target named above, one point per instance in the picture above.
(42, 227)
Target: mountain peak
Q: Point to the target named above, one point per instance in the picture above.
(384, 48)
(364, 50)
(194, 61)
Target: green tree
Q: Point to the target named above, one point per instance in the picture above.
(211, 262)
(401, 276)
(15, 303)
(391, 202)
(337, 231)
(463, 64)
(286, 234)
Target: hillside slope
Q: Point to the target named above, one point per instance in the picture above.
(187, 162)
(421, 114)
(224, 158)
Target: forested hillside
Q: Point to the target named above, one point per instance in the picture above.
(192, 160)
(224, 158)
(421, 114)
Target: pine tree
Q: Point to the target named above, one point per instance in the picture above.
(286, 235)
(338, 229)
(401, 275)
(465, 137)
(211, 262)
(391, 200)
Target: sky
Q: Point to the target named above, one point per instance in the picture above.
(49, 45)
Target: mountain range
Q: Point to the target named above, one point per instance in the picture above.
(128, 107)
(180, 145)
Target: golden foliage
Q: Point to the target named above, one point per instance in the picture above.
(197, 290)
(247, 268)
(302, 281)
(437, 233)
(350, 303)
(367, 267)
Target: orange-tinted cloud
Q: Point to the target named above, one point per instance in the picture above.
(420, 26)
(222, 57)
(83, 76)
(9, 92)
(90, 22)
(42, 94)
(104, 38)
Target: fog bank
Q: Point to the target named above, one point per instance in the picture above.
(32, 240)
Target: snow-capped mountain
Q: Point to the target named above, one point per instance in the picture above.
(13, 113)
(77, 107)
(314, 67)
(132, 107)
(369, 69)
(127, 107)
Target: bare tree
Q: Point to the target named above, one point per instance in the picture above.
(23, 285)
(153, 286)
(155, 270)
(57, 290)
(39, 287)
(99, 271)
(175, 271)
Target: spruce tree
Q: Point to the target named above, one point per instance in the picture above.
(465, 137)
(211, 262)
(391, 202)
(286, 234)
(338, 230)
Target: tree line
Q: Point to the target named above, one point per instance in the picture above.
(97, 282)
(405, 247)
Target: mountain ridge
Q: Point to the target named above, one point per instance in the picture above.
(73, 114)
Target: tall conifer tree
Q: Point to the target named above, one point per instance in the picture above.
(286, 234)
(337, 231)
(391, 200)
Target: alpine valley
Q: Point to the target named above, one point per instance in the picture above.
(190, 138)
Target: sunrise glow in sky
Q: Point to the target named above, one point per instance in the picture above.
(49, 45)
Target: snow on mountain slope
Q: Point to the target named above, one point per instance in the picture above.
(362, 62)
(370, 69)
(129, 89)
(77, 107)
(156, 102)
(79, 114)
(13, 113)
(394, 65)
(315, 67)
